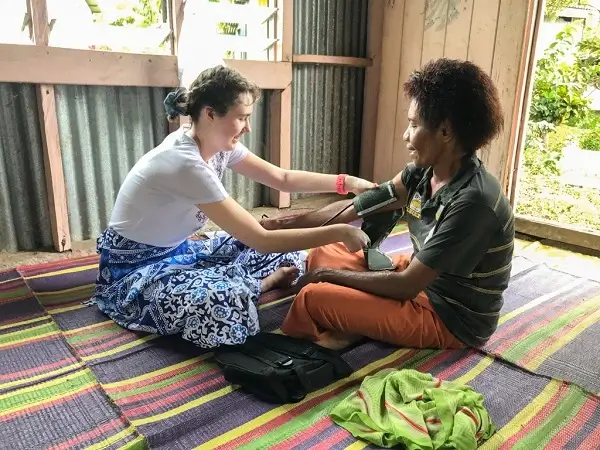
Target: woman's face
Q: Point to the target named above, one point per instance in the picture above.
(228, 129)
(425, 145)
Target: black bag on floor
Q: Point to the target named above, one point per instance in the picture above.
(280, 369)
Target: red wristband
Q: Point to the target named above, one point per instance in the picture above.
(340, 184)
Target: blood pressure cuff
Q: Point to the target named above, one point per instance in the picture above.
(377, 225)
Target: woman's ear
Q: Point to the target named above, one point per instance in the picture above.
(209, 113)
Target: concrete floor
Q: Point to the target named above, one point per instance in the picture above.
(85, 248)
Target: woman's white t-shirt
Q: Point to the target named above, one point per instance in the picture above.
(156, 203)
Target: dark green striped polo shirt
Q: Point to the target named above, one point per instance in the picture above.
(466, 232)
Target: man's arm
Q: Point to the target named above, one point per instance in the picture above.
(342, 211)
(404, 285)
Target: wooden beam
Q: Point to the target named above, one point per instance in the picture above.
(53, 65)
(267, 74)
(287, 37)
(559, 233)
(371, 88)
(280, 108)
(280, 140)
(53, 169)
(347, 61)
(176, 20)
(521, 114)
(40, 28)
(176, 15)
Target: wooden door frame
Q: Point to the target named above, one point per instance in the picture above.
(541, 229)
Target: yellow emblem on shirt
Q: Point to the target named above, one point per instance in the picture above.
(414, 207)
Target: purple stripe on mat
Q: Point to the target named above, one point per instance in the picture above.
(8, 275)
(443, 360)
(59, 422)
(532, 284)
(78, 318)
(163, 353)
(271, 318)
(63, 281)
(397, 244)
(523, 324)
(579, 360)
(506, 390)
(319, 437)
(18, 323)
(23, 309)
(34, 355)
(160, 399)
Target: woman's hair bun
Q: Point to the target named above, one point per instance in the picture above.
(176, 104)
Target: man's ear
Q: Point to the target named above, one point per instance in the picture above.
(446, 132)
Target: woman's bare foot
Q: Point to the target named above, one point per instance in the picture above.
(281, 278)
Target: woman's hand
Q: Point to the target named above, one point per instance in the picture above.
(355, 239)
(358, 185)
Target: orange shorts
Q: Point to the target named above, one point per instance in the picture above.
(320, 307)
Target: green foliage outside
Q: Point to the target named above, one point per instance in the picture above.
(560, 116)
(146, 13)
(553, 7)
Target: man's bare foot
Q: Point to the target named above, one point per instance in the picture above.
(337, 341)
(281, 278)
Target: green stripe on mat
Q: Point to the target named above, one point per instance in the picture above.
(162, 383)
(561, 416)
(29, 333)
(523, 346)
(109, 330)
(297, 424)
(20, 292)
(57, 388)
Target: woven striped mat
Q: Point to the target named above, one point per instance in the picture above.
(70, 378)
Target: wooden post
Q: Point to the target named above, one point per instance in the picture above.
(55, 180)
(371, 88)
(535, 17)
(280, 111)
(176, 21)
(176, 15)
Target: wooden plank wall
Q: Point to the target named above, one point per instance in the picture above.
(490, 33)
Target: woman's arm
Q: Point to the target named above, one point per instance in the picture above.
(239, 223)
(284, 180)
(339, 212)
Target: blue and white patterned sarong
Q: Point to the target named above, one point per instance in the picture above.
(209, 298)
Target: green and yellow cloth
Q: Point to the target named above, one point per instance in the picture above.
(414, 409)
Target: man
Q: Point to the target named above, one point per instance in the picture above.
(449, 293)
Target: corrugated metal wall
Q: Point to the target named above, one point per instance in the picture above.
(327, 101)
(103, 132)
(24, 219)
(245, 191)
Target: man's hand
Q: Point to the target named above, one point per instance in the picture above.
(314, 276)
(270, 224)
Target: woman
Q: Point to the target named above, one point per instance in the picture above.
(461, 224)
(152, 277)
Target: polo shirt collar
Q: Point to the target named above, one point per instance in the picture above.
(470, 166)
